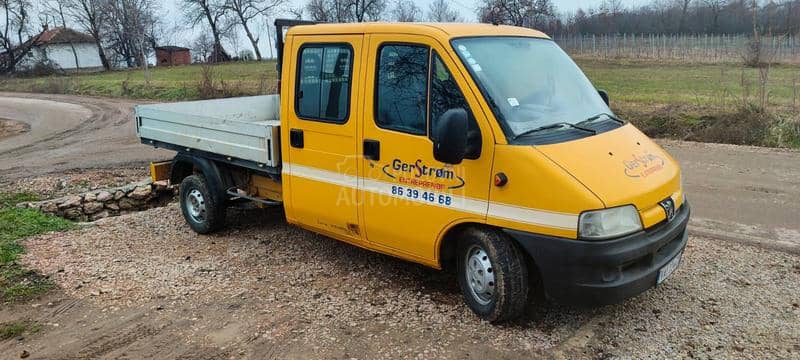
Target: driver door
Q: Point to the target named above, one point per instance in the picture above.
(408, 197)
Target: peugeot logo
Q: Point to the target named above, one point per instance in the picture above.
(669, 208)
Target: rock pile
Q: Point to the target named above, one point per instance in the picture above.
(98, 204)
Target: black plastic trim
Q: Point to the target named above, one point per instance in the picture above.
(604, 272)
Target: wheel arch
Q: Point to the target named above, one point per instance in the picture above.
(184, 165)
(448, 244)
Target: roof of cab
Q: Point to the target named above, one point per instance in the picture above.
(446, 30)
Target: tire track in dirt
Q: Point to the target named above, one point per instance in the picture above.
(69, 132)
(115, 340)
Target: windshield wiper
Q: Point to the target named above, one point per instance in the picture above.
(598, 116)
(554, 126)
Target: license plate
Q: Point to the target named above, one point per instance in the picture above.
(668, 269)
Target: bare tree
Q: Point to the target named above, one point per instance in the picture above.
(345, 10)
(440, 11)
(131, 29)
(57, 8)
(88, 14)
(792, 18)
(296, 12)
(328, 10)
(367, 10)
(213, 12)
(715, 7)
(406, 11)
(245, 11)
(202, 47)
(684, 5)
(527, 13)
(675, 17)
(17, 20)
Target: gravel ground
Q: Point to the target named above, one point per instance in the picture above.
(75, 181)
(300, 294)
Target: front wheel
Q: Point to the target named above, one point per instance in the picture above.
(492, 274)
(201, 212)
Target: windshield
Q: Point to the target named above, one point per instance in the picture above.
(530, 83)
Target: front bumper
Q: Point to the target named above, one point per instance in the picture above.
(605, 272)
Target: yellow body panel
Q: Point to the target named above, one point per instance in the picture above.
(539, 192)
(265, 188)
(622, 167)
(393, 206)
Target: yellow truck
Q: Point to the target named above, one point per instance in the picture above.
(478, 148)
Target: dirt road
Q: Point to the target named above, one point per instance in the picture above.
(144, 286)
(69, 132)
(742, 193)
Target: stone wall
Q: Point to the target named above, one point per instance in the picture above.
(98, 204)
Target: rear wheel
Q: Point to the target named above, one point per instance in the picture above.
(199, 209)
(492, 274)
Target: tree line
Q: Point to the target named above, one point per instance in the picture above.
(682, 17)
(127, 31)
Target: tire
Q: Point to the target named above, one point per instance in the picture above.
(201, 212)
(492, 274)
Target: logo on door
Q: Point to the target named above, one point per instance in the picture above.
(421, 175)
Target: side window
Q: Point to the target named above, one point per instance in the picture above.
(323, 82)
(401, 96)
(446, 95)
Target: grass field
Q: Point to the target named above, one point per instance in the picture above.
(698, 84)
(165, 84)
(700, 102)
(17, 282)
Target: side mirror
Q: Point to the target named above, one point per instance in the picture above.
(604, 95)
(450, 137)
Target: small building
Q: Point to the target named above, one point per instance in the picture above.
(56, 47)
(173, 56)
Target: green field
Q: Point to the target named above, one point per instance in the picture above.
(698, 84)
(702, 102)
(16, 282)
(166, 84)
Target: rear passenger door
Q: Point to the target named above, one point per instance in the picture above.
(320, 167)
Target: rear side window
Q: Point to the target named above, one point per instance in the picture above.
(323, 82)
(402, 88)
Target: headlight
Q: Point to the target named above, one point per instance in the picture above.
(609, 223)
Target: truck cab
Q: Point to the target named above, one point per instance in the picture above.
(479, 148)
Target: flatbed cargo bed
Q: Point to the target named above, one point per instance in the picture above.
(245, 129)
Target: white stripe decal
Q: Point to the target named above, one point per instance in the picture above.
(321, 175)
(533, 216)
(462, 203)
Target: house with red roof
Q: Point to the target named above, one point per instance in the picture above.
(56, 47)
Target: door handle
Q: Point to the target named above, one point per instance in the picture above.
(372, 149)
(296, 138)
